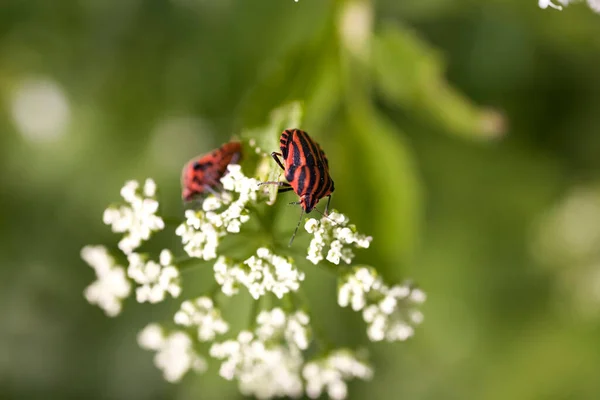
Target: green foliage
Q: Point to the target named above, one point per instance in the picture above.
(386, 172)
(284, 117)
(409, 73)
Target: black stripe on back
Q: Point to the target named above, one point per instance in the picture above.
(202, 166)
(296, 152)
(284, 144)
(308, 148)
(327, 183)
(290, 172)
(322, 157)
(321, 187)
(301, 181)
(312, 180)
(324, 179)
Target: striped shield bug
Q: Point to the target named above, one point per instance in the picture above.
(202, 174)
(306, 171)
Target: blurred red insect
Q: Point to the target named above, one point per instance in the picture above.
(306, 169)
(202, 175)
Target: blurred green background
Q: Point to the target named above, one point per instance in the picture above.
(463, 135)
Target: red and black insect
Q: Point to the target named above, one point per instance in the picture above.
(306, 169)
(202, 174)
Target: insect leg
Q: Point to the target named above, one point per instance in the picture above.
(212, 191)
(286, 186)
(297, 226)
(276, 156)
(327, 206)
(235, 158)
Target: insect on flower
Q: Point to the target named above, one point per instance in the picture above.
(202, 174)
(306, 169)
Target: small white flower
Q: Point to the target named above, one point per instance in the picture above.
(199, 237)
(594, 5)
(543, 4)
(211, 203)
(355, 286)
(298, 330)
(202, 230)
(129, 191)
(174, 352)
(330, 373)
(390, 312)
(277, 325)
(268, 362)
(417, 296)
(228, 275)
(151, 337)
(311, 225)
(155, 279)
(335, 234)
(149, 188)
(137, 219)
(202, 314)
(268, 272)
(235, 181)
(111, 286)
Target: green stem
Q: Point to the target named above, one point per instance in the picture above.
(254, 310)
(172, 221)
(288, 304)
(262, 222)
(214, 291)
(321, 340)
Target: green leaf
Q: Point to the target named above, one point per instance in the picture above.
(324, 93)
(379, 185)
(266, 137)
(290, 77)
(410, 74)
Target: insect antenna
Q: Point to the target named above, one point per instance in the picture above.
(297, 226)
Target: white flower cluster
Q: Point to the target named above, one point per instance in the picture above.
(112, 286)
(269, 272)
(137, 219)
(390, 312)
(275, 324)
(174, 352)
(202, 230)
(201, 313)
(261, 273)
(266, 360)
(331, 372)
(267, 363)
(155, 279)
(593, 4)
(334, 232)
(229, 275)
